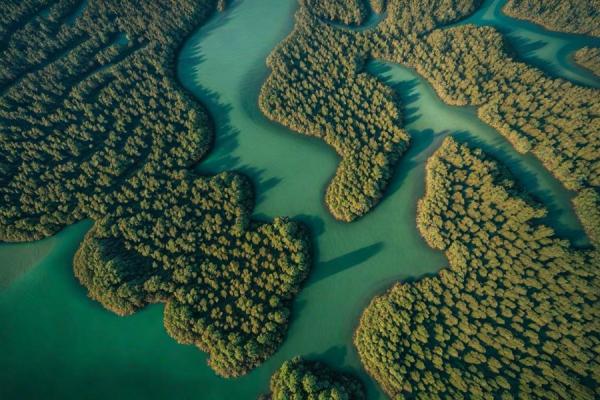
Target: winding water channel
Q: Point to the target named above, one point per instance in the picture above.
(71, 348)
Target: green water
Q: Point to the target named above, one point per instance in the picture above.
(55, 343)
(18, 258)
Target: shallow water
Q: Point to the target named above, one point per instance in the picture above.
(53, 336)
(17, 259)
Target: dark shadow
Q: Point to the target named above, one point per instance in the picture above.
(522, 49)
(333, 357)
(261, 185)
(315, 223)
(297, 306)
(420, 142)
(189, 60)
(405, 90)
(325, 269)
(76, 13)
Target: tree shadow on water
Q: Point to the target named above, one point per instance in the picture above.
(405, 90)
(523, 49)
(190, 60)
(315, 223)
(326, 269)
(261, 184)
(335, 357)
(423, 144)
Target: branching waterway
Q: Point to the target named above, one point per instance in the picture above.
(70, 347)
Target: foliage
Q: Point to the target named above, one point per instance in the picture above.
(553, 119)
(587, 207)
(94, 125)
(349, 12)
(378, 6)
(298, 379)
(573, 16)
(513, 316)
(316, 87)
(588, 57)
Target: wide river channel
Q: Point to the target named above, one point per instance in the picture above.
(55, 343)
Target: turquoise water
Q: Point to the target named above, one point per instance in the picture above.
(57, 344)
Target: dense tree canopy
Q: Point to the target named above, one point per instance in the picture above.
(298, 379)
(344, 11)
(316, 87)
(588, 57)
(94, 125)
(573, 16)
(515, 315)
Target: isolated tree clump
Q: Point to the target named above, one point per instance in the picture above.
(299, 379)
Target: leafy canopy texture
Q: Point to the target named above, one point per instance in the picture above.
(572, 16)
(299, 379)
(94, 125)
(515, 314)
(320, 86)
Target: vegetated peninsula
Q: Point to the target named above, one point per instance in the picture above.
(317, 88)
(515, 314)
(94, 125)
(310, 380)
(572, 16)
(589, 58)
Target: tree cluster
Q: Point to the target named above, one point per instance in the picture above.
(572, 16)
(409, 18)
(94, 125)
(589, 58)
(299, 379)
(349, 12)
(513, 316)
(378, 6)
